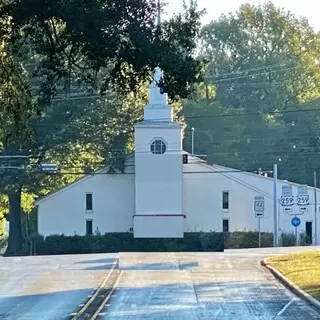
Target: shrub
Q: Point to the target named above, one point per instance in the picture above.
(212, 241)
(124, 242)
(287, 239)
(3, 243)
(304, 239)
(247, 239)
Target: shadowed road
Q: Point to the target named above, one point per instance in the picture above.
(48, 287)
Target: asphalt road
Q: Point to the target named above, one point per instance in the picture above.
(48, 287)
(221, 286)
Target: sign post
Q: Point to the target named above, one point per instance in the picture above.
(259, 213)
(275, 206)
(259, 228)
(315, 207)
(295, 221)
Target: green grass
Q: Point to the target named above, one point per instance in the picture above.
(303, 269)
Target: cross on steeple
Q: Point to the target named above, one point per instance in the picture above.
(159, 13)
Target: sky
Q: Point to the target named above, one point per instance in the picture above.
(214, 8)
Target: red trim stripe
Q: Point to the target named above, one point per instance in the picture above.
(159, 215)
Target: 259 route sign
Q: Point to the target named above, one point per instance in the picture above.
(287, 200)
(303, 200)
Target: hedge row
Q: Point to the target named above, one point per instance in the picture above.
(248, 239)
(125, 242)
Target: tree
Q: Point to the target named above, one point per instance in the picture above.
(58, 47)
(263, 62)
(17, 106)
(121, 40)
(215, 129)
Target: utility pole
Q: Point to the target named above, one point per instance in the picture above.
(315, 207)
(275, 205)
(192, 141)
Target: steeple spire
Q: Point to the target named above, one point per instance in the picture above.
(158, 108)
(156, 97)
(155, 94)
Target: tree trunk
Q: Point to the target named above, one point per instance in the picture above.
(15, 240)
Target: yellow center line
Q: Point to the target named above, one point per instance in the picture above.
(85, 307)
(96, 314)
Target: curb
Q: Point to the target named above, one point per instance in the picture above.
(290, 285)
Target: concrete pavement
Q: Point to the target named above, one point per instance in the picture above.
(222, 286)
(48, 287)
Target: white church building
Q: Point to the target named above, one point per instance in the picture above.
(164, 191)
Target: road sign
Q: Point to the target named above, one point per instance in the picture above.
(302, 190)
(287, 209)
(303, 209)
(287, 198)
(295, 221)
(303, 200)
(303, 196)
(287, 190)
(258, 204)
(259, 214)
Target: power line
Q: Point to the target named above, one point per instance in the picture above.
(228, 161)
(230, 150)
(229, 76)
(249, 139)
(252, 113)
(240, 114)
(260, 68)
(250, 75)
(213, 170)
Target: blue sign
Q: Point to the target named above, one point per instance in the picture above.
(295, 221)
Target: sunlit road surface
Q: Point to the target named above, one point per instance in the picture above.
(48, 287)
(222, 286)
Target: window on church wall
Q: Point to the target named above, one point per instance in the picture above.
(89, 202)
(225, 200)
(158, 146)
(89, 227)
(225, 225)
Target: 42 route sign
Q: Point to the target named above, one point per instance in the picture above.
(258, 204)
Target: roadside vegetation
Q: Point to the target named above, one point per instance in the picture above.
(301, 268)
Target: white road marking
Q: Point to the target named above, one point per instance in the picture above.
(286, 307)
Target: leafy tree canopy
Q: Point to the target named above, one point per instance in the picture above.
(119, 39)
(263, 63)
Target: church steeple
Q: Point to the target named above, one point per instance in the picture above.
(155, 95)
(158, 108)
